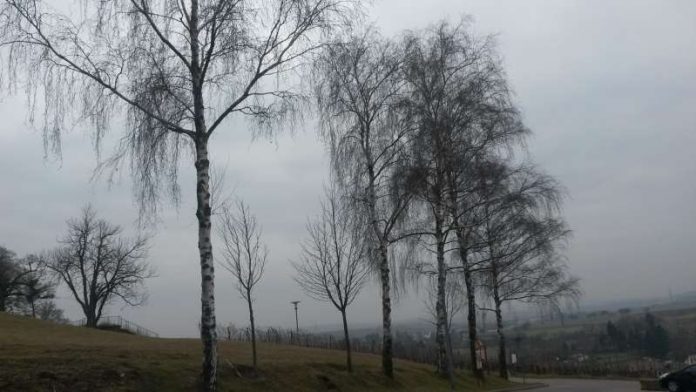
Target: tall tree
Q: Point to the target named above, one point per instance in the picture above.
(522, 232)
(428, 157)
(244, 255)
(459, 100)
(358, 81)
(333, 266)
(177, 70)
(100, 265)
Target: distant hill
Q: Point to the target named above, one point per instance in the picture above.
(41, 356)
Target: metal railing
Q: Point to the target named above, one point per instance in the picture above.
(120, 322)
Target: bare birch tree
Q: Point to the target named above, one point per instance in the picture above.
(522, 232)
(358, 81)
(333, 265)
(99, 265)
(428, 180)
(177, 70)
(244, 255)
(458, 95)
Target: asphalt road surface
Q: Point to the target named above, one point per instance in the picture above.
(571, 385)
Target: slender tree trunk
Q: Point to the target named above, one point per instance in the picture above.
(383, 262)
(346, 336)
(471, 321)
(33, 309)
(448, 333)
(471, 305)
(442, 335)
(205, 248)
(502, 349)
(468, 279)
(387, 349)
(440, 307)
(253, 330)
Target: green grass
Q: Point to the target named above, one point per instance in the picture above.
(42, 356)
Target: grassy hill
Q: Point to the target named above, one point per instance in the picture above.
(42, 356)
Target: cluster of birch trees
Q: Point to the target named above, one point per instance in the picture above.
(420, 129)
(431, 183)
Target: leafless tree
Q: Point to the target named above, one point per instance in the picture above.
(428, 181)
(177, 70)
(522, 232)
(99, 265)
(38, 284)
(358, 81)
(333, 265)
(243, 254)
(459, 98)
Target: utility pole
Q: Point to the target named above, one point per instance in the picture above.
(297, 323)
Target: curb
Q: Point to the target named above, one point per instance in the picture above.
(522, 387)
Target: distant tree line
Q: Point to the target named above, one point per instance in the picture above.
(603, 343)
(646, 335)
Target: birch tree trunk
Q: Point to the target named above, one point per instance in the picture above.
(203, 212)
(440, 309)
(387, 349)
(442, 335)
(468, 278)
(471, 302)
(205, 248)
(502, 349)
(383, 262)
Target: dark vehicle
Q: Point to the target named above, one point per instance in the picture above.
(680, 381)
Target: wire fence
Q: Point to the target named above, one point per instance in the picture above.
(404, 347)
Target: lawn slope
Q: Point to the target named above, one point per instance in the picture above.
(42, 356)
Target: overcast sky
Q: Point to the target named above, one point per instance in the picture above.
(607, 87)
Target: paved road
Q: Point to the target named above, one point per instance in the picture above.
(570, 385)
